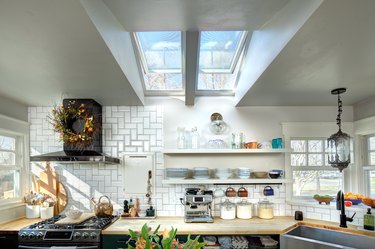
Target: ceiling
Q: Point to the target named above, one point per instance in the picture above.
(51, 49)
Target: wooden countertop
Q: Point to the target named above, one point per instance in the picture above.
(15, 225)
(277, 225)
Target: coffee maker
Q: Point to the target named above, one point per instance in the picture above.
(197, 204)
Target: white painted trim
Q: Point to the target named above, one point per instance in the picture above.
(14, 119)
(190, 65)
(364, 126)
(11, 204)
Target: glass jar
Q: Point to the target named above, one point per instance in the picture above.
(265, 209)
(244, 209)
(194, 138)
(227, 210)
(181, 137)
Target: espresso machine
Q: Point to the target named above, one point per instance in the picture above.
(197, 204)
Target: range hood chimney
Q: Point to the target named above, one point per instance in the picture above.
(87, 154)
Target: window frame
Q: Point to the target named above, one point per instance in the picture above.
(20, 165)
(236, 57)
(143, 69)
(237, 62)
(367, 167)
(324, 167)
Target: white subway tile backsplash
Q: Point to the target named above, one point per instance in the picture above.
(138, 129)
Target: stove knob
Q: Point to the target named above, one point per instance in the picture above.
(85, 235)
(39, 235)
(77, 235)
(93, 235)
(23, 235)
(32, 235)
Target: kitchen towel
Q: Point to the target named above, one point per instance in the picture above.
(240, 242)
(267, 241)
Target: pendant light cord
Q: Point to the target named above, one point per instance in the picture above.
(339, 104)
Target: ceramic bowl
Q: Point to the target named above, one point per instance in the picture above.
(260, 174)
(274, 175)
(354, 201)
(73, 214)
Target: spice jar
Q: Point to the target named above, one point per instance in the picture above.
(265, 209)
(227, 210)
(244, 209)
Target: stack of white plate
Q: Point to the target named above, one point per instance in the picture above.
(223, 173)
(201, 173)
(244, 173)
(176, 173)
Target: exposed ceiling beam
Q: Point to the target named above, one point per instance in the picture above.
(191, 65)
(118, 41)
(269, 41)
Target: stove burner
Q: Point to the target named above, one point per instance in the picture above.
(48, 233)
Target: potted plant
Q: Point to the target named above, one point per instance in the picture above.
(33, 201)
(46, 208)
(147, 239)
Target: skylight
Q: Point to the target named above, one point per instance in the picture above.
(161, 60)
(219, 55)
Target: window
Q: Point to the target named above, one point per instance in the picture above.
(370, 167)
(160, 57)
(310, 169)
(220, 54)
(10, 166)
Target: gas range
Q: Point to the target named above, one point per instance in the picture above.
(46, 233)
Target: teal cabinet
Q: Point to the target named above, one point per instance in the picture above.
(114, 241)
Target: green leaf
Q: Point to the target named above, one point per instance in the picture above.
(148, 244)
(133, 234)
(157, 229)
(144, 231)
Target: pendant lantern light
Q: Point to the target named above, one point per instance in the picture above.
(339, 143)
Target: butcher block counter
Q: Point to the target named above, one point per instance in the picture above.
(277, 225)
(14, 226)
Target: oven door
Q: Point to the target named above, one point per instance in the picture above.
(58, 247)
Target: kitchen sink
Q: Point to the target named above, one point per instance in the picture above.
(316, 238)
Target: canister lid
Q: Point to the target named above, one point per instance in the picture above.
(265, 203)
(227, 204)
(244, 202)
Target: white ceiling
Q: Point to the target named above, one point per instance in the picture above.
(51, 49)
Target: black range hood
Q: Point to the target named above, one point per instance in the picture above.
(89, 154)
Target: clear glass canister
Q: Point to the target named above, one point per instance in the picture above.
(244, 209)
(265, 209)
(227, 210)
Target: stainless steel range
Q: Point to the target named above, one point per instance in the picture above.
(47, 234)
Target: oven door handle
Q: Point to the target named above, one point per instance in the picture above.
(48, 247)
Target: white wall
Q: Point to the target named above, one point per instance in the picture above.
(13, 109)
(364, 109)
(260, 123)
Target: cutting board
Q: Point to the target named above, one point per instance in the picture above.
(48, 183)
(80, 219)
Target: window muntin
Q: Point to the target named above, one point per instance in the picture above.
(369, 169)
(371, 150)
(10, 166)
(310, 170)
(161, 60)
(219, 55)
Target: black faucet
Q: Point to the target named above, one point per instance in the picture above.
(340, 205)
